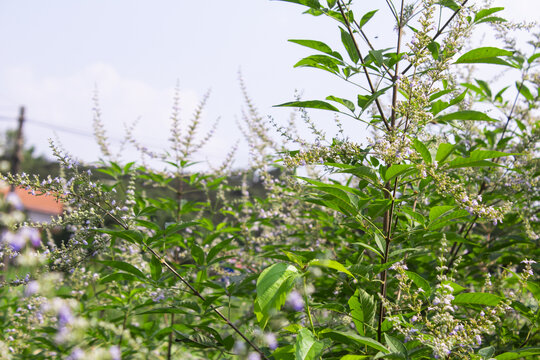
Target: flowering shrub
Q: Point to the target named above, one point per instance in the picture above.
(418, 244)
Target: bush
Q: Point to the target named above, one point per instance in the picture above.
(418, 245)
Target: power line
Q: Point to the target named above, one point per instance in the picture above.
(66, 129)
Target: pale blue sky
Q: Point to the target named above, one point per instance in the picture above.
(54, 53)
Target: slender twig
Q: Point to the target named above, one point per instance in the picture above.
(169, 347)
(308, 312)
(387, 227)
(372, 88)
(440, 31)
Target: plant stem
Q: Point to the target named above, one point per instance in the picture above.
(306, 300)
(371, 87)
(169, 347)
(387, 228)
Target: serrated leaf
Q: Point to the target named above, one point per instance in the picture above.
(310, 104)
(477, 299)
(273, 285)
(306, 346)
(363, 310)
(395, 345)
(331, 264)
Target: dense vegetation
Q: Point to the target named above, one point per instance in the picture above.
(419, 244)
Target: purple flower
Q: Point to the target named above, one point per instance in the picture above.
(295, 301)
(64, 316)
(31, 288)
(115, 352)
(254, 356)
(271, 340)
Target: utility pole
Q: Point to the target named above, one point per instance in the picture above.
(16, 158)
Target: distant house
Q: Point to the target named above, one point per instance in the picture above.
(38, 208)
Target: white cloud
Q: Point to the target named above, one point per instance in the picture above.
(66, 101)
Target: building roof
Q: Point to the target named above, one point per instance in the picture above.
(45, 204)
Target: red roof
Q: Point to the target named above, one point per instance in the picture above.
(45, 204)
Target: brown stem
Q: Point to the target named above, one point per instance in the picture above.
(169, 347)
(387, 228)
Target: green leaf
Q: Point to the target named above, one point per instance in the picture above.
(465, 115)
(348, 42)
(434, 47)
(363, 310)
(124, 266)
(331, 264)
(437, 211)
(420, 282)
(155, 268)
(306, 346)
(476, 158)
(367, 16)
(349, 338)
(396, 170)
(311, 104)
(363, 172)
(451, 4)
(395, 345)
(365, 100)
(486, 12)
(118, 277)
(317, 45)
(533, 57)
(485, 55)
(519, 354)
(423, 150)
(523, 90)
(314, 4)
(273, 285)
(443, 152)
(130, 235)
(347, 103)
(377, 56)
(321, 62)
(477, 299)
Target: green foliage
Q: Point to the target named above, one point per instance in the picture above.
(418, 244)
